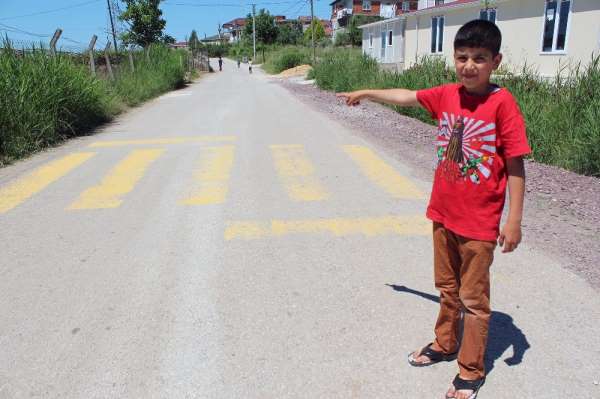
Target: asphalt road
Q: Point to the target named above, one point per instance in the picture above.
(226, 241)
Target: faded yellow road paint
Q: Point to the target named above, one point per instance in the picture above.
(22, 189)
(382, 174)
(370, 227)
(166, 140)
(212, 176)
(118, 182)
(297, 173)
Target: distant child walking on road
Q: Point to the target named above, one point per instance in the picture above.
(250, 65)
(480, 145)
(220, 63)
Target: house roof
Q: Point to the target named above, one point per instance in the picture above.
(235, 22)
(214, 38)
(458, 4)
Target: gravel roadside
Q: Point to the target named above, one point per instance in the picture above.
(562, 208)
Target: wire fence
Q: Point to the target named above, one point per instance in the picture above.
(100, 57)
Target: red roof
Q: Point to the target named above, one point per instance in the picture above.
(235, 22)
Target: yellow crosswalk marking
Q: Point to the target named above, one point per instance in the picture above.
(382, 174)
(370, 227)
(212, 176)
(166, 140)
(297, 173)
(118, 182)
(22, 189)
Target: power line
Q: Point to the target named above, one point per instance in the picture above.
(295, 5)
(297, 10)
(228, 4)
(17, 30)
(51, 11)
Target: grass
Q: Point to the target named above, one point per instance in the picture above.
(562, 116)
(45, 100)
(287, 57)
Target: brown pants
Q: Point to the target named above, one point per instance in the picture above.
(461, 268)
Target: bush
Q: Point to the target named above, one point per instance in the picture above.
(344, 70)
(286, 58)
(44, 99)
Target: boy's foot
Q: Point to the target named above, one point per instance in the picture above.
(464, 389)
(428, 356)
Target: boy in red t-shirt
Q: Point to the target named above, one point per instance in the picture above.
(479, 151)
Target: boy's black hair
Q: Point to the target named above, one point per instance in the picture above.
(479, 33)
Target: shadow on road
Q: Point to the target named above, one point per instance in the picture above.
(502, 334)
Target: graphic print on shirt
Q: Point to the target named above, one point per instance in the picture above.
(466, 151)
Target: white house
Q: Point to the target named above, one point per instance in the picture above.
(545, 34)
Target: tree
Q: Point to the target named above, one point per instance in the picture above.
(290, 33)
(319, 32)
(168, 39)
(194, 42)
(266, 30)
(145, 22)
(354, 32)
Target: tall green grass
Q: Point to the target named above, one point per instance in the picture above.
(164, 70)
(44, 99)
(279, 60)
(562, 115)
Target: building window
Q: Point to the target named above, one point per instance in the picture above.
(390, 36)
(439, 2)
(437, 34)
(488, 14)
(556, 23)
(366, 5)
(405, 6)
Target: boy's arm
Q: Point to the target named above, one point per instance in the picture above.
(510, 236)
(402, 97)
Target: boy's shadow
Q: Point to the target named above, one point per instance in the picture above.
(502, 334)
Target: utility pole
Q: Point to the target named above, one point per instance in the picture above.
(112, 24)
(312, 28)
(254, 31)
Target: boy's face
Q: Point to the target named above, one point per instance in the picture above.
(474, 66)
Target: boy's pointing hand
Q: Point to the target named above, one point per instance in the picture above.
(352, 98)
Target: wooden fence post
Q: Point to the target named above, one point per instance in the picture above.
(91, 53)
(107, 58)
(55, 38)
(131, 61)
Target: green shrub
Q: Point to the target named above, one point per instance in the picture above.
(44, 99)
(286, 58)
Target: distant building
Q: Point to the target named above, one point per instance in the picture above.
(343, 10)
(305, 22)
(234, 28)
(181, 45)
(217, 39)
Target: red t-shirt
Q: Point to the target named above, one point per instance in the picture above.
(476, 135)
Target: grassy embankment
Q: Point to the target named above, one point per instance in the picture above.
(562, 115)
(44, 99)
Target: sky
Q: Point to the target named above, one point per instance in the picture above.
(26, 21)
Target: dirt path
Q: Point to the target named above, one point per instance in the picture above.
(562, 209)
